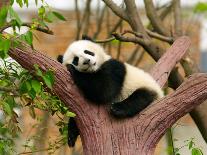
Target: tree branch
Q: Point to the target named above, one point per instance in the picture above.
(154, 18)
(38, 28)
(134, 18)
(177, 17)
(102, 134)
(128, 39)
(116, 9)
(161, 70)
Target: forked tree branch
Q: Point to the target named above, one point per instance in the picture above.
(100, 133)
(154, 18)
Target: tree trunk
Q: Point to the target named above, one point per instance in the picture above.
(103, 135)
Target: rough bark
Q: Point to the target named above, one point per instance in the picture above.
(100, 133)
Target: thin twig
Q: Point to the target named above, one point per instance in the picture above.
(116, 9)
(128, 39)
(105, 40)
(141, 54)
(99, 23)
(154, 18)
(77, 11)
(133, 55)
(87, 16)
(160, 37)
(9, 90)
(30, 25)
(177, 18)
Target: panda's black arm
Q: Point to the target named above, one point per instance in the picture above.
(73, 132)
(101, 86)
(134, 104)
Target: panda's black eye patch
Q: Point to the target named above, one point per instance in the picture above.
(75, 61)
(89, 52)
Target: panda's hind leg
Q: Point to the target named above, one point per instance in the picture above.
(135, 103)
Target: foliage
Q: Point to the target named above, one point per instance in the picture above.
(200, 7)
(19, 88)
(192, 147)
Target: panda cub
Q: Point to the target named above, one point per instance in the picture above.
(102, 79)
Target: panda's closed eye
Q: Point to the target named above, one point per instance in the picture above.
(89, 52)
(75, 61)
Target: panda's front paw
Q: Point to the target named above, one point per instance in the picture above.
(118, 110)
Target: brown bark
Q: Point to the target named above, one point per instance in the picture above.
(100, 133)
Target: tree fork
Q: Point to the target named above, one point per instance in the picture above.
(102, 134)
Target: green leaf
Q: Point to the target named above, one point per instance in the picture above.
(200, 7)
(26, 2)
(49, 17)
(15, 16)
(29, 37)
(59, 16)
(41, 11)
(190, 144)
(7, 108)
(3, 15)
(49, 79)
(25, 87)
(4, 47)
(70, 114)
(36, 2)
(11, 2)
(32, 93)
(36, 86)
(10, 100)
(38, 71)
(20, 3)
(7, 44)
(196, 151)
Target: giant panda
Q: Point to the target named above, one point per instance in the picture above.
(127, 90)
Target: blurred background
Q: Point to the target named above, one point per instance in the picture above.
(94, 18)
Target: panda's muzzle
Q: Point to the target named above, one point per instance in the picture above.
(86, 62)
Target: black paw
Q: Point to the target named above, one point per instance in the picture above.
(72, 139)
(119, 110)
(73, 132)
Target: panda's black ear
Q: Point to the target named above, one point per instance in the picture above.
(85, 37)
(60, 58)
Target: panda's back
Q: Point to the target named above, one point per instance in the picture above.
(136, 78)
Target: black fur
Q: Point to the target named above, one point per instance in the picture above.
(73, 132)
(60, 58)
(135, 103)
(102, 86)
(89, 52)
(85, 37)
(75, 61)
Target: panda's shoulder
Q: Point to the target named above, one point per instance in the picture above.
(114, 66)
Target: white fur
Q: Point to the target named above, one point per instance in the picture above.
(137, 78)
(77, 49)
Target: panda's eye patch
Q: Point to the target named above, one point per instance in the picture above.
(89, 52)
(75, 61)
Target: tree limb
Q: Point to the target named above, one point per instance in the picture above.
(116, 9)
(177, 17)
(38, 28)
(102, 134)
(154, 18)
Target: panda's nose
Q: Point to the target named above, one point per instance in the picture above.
(86, 62)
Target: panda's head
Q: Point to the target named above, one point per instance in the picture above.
(85, 56)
